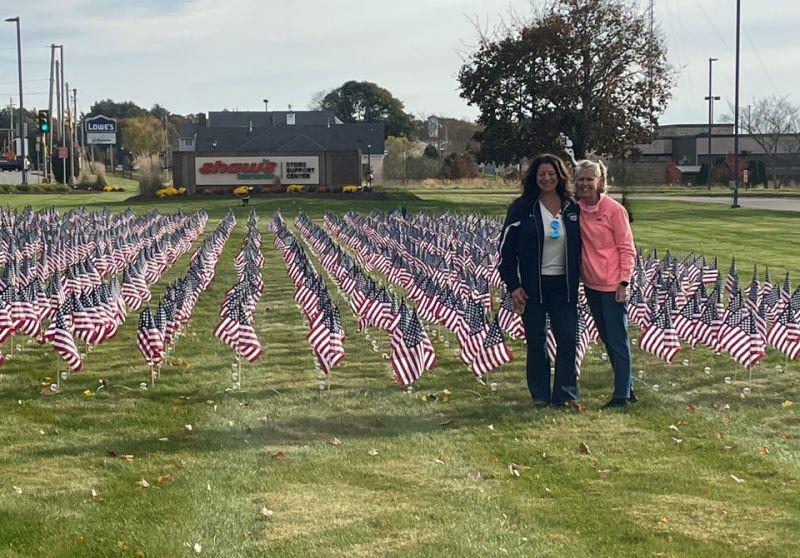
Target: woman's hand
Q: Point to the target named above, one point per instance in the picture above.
(622, 294)
(520, 297)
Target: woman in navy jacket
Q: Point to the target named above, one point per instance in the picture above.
(539, 263)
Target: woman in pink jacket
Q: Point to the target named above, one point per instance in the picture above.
(607, 259)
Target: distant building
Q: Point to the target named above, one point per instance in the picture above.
(687, 145)
(213, 151)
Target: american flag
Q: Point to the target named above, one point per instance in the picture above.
(686, 320)
(660, 338)
(732, 280)
(409, 358)
(785, 334)
(227, 330)
(509, 320)
(493, 352)
(248, 346)
(148, 338)
(735, 336)
(471, 336)
(61, 338)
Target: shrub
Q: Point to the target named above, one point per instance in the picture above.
(350, 189)
(59, 187)
(37, 189)
(149, 174)
(167, 192)
(7, 188)
(294, 188)
(242, 190)
(24, 188)
(459, 165)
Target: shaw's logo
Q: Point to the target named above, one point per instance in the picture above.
(244, 171)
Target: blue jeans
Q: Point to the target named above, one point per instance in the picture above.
(563, 320)
(611, 318)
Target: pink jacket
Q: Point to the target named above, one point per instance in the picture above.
(608, 254)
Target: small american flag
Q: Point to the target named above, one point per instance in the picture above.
(493, 352)
(660, 338)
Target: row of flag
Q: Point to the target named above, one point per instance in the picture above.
(235, 327)
(80, 302)
(326, 334)
(373, 305)
(157, 330)
(440, 296)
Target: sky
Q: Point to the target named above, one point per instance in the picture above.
(198, 55)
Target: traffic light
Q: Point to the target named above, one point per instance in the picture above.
(43, 121)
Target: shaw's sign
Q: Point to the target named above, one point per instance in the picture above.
(235, 170)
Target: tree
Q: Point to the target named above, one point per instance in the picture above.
(143, 134)
(362, 101)
(589, 69)
(774, 124)
(112, 109)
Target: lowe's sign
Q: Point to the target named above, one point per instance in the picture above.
(101, 130)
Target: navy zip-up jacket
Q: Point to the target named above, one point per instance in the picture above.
(521, 247)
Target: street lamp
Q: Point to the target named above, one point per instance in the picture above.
(369, 164)
(22, 137)
(266, 112)
(711, 98)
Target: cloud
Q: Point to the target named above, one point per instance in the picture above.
(198, 55)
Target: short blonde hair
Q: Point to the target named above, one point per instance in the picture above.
(597, 167)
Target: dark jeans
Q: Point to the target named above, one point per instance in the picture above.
(611, 318)
(563, 320)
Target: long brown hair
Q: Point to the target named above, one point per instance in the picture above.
(531, 190)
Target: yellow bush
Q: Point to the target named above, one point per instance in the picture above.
(242, 190)
(350, 189)
(181, 191)
(294, 188)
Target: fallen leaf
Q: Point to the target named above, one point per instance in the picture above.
(127, 457)
(787, 437)
(664, 520)
(737, 479)
(603, 472)
(336, 441)
(720, 436)
(187, 427)
(111, 453)
(441, 459)
(491, 427)
(17, 489)
(264, 512)
(719, 407)
(673, 427)
(262, 419)
(763, 450)
(475, 474)
(278, 456)
(676, 441)
(143, 483)
(513, 468)
(372, 452)
(786, 404)
(692, 407)
(584, 449)
(94, 493)
(88, 393)
(198, 548)
(683, 422)
(163, 478)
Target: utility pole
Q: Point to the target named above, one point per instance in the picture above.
(75, 149)
(22, 137)
(63, 106)
(735, 203)
(166, 148)
(710, 100)
(68, 118)
(49, 151)
(266, 112)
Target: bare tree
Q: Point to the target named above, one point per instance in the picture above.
(774, 124)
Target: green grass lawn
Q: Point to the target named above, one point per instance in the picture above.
(693, 470)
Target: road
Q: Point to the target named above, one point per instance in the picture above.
(781, 204)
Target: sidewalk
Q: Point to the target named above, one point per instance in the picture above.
(779, 204)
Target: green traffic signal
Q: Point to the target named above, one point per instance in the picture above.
(45, 127)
